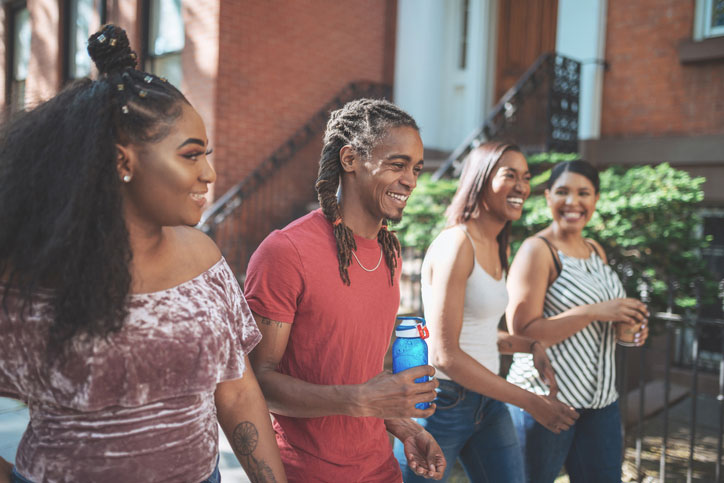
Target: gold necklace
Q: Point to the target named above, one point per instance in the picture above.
(365, 268)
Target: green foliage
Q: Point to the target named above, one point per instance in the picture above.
(645, 219)
(425, 212)
(647, 223)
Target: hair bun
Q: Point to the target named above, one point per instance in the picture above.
(110, 50)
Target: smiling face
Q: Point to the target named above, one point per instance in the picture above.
(508, 188)
(387, 177)
(170, 178)
(572, 200)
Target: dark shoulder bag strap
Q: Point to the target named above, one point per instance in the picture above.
(556, 261)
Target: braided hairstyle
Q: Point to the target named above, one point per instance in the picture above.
(360, 124)
(60, 192)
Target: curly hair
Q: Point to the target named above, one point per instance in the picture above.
(360, 124)
(62, 221)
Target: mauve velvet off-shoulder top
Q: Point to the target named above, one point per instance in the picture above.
(138, 406)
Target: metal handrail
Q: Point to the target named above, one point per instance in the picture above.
(232, 199)
(265, 200)
(505, 109)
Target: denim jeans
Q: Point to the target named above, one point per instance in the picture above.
(591, 449)
(477, 430)
(215, 477)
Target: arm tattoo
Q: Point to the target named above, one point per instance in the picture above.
(270, 322)
(244, 441)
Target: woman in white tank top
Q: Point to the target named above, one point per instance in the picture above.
(464, 294)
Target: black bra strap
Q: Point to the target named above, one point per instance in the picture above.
(595, 250)
(553, 252)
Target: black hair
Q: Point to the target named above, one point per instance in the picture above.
(360, 124)
(578, 166)
(60, 192)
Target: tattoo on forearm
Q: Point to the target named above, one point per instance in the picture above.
(245, 439)
(270, 322)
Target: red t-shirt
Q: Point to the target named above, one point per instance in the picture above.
(339, 335)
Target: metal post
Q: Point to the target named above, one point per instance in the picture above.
(667, 391)
(667, 377)
(720, 398)
(642, 393)
(694, 386)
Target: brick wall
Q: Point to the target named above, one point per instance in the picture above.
(280, 61)
(647, 91)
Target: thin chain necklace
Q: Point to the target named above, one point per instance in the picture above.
(365, 268)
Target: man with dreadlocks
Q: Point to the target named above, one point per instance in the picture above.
(326, 307)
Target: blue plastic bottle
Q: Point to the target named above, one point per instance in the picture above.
(410, 349)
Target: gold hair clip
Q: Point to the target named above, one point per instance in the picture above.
(142, 94)
(113, 42)
(133, 55)
(120, 87)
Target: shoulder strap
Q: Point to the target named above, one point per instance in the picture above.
(594, 247)
(556, 261)
(470, 239)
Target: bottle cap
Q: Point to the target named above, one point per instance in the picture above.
(407, 330)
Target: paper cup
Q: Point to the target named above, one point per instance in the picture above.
(625, 333)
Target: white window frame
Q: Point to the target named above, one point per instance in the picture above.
(702, 21)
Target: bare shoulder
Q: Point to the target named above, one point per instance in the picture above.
(450, 252)
(196, 248)
(533, 256)
(449, 245)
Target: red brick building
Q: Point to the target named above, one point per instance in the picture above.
(255, 70)
(663, 92)
(652, 77)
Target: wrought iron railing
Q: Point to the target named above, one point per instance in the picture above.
(279, 189)
(650, 434)
(539, 113)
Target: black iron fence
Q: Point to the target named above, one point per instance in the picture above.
(682, 337)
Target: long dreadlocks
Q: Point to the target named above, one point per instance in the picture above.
(360, 124)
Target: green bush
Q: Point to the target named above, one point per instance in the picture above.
(425, 212)
(645, 219)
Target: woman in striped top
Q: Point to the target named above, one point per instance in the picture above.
(563, 294)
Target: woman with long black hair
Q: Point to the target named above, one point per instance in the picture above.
(122, 327)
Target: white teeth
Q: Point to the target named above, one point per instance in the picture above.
(396, 196)
(516, 201)
(572, 216)
(197, 196)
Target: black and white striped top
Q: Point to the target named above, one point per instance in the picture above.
(584, 363)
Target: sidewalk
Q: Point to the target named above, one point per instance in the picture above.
(14, 419)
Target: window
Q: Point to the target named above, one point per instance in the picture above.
(709, 19)
(80, 18)
(19, 56)
(166, 40)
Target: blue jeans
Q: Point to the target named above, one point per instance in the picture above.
(591, 449)
(215, 477)
(477, 430)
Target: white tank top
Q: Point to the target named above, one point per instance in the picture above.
(485, 302)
